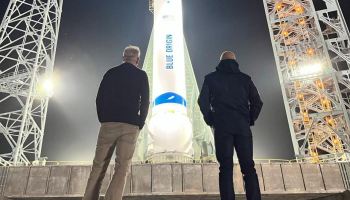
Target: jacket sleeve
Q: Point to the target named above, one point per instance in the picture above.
(100, 96)
(204, 103)
(255, 103)
(144, 101)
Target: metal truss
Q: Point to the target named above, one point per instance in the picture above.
(28, 39)
(312, 55)
(336, 35)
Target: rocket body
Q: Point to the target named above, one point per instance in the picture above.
(169, 126)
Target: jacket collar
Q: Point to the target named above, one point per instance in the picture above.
(128, 64)
(228, 66)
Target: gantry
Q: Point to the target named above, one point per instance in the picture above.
(28, 39)
(312, 53)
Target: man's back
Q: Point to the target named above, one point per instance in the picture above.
(118, 99)
(230, 103)
(122, 105)
(233, 97)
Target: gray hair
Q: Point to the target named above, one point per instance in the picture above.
(131, 53)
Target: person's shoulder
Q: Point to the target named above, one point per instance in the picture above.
(210, 75)
(140, 72)
(134, 69)
(113, 71)
(143, 74)
(125, 67)
(110, 71)
(245, 76)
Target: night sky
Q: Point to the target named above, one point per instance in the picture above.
(94, 33)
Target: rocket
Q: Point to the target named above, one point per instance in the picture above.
(169, 126)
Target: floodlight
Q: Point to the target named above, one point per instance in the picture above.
(310, 69)
(46, 86)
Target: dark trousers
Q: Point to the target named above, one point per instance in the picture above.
(225, 143)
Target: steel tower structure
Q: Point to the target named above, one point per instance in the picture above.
(203, 140)
(312, 53)
(28, 39)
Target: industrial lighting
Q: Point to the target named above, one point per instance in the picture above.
(279, 6)
(302, 22)
(310, 51)
(285, 33)
(46, 86)
(310, 69)
(292, 62)
(299, 9)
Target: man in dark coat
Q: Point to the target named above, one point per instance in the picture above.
(230, 104)
(122, 105)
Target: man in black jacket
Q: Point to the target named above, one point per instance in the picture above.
(122, 105)
(230, 104)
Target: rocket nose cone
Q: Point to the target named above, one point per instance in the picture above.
(171, 132)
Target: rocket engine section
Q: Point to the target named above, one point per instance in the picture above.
(170, 128)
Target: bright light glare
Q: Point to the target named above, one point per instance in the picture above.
(46, 86)
(310, 69)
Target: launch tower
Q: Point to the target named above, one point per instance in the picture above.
(28, 39)
(312, 53)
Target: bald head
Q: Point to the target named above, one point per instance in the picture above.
(228, 55)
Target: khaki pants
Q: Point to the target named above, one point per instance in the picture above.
(121, 137)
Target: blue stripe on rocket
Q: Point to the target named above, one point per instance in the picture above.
(170, 97)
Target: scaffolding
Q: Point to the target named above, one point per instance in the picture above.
(311, 48)
(28, 39)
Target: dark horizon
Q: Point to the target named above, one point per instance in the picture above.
(94, 34)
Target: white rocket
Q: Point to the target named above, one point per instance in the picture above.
(169, 126)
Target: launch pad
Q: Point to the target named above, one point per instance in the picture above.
(289, 181)
(317, 115)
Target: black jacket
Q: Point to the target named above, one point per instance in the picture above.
(229, 99)
(123, 95)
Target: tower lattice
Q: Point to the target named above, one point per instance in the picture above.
(28, 39)
(310, 40)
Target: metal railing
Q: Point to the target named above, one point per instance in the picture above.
(331, 158)
(260, 161)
